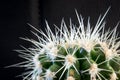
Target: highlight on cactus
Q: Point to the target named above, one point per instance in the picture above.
(73, 53)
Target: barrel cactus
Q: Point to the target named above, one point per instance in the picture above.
(73, 53)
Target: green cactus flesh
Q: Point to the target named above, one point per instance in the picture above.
(76, 63)
(82, 53)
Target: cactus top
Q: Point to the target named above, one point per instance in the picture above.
(73, 53)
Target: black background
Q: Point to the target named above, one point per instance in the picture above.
(15, 14)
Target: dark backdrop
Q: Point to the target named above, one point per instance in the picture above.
(15, 14)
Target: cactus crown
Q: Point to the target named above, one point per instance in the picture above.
(74, 53)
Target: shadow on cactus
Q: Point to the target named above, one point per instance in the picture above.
(74, 53)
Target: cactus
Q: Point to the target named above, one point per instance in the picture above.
(74, 53)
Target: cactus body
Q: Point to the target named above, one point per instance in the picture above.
(82, 53)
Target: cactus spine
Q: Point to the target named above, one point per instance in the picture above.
(75, 53)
